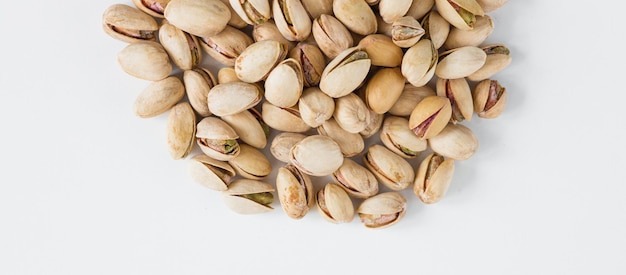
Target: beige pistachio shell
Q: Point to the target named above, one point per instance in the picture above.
(182, 47)
(383, 27)
(351, 144)
(383, 89)
(285, 119)
(245, 196)
(372, 2)
(420, 63)
(198, 82)
(181, 130)
(355, 179)
(381, 50)
(269, 31)
(351, 113)
(430, 116)
(251, 163)
(406, 31)
(217, 139)
(159, 97)
(382, 210)
(250, 127)
(398, 137)
(389, 168)
(312, 61)
(345, 72)
(128, 24)
(152, 7)
(292, 20)
(419, 8)
(235, 19)
(315, 8)
(316, 155)
(211, 173)
(434, 175)
(226, 75)
(282, 144)
(356, 15)
(489, 98)
(460, 62)
(284, 84)
(226, 46)
(258, 59)
(409, 98)
(295, 191)
(491, 5)
(391, 10)
(145, 60)
(460, 13)
(374, 123)
(331, 35)
(202, 18)
(254, 12)
(436, 27)
(498, 58)
(456, 141)
(460, 95)
(474, 37)
(234, 97)
(334, 204)
(315, 107)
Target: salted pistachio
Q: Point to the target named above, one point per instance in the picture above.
(252, 11)
(315, 8)
(381, 50)
(226, 75)
(250, 127)
(152, 7)
(455, 141)
(285, 119)
(211, 173)
(245, 196)
(217, 139)
(460, 13)
(482, 29)
(460, 95)
(409, 98)
(269, 31)
(331, 35)
(282, 144)
(382, 210)
(295, 191)
(460, 62)
(420, 63)
(390, 169)
(430, 116)
(489, 98)
(392, 10)
(436, 28)
(158, 97)
(491, 5)
(406, 31)
(351, 144)
(315, 107)
(258, 59)
(145, 60)
(345, 72)
(235, 19)
(128, 24)
(251, 163)
(351, 113)
(182, 47)
(355, 179)
(226, 46)
(181, 130)
(233, 97)
(419, 8)
(316, 155)
(374, 123)
(291, 18)
(198, 82)
(398, 137)
(202, 18)
(284, 84)
(312, 61)
(334, 204)
(434, 175)
(356, 15)
(383, 89)
(498, 58)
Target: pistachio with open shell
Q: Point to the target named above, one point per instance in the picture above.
(382, 210)
(455, 141)
(334, 204)
(419, 8)
(345, 72)
(419, 63)
(315, 106)
(489, 98)
(434, 175)
(436, 28)
(282, 144)
(351, 113)
(182, 47)
(482, 29)
(460, 62)
(390, 169)
(331, 35)
(398, 137)
(285, 119)
(159, 97)
(460, 13)
(152, 7)
(430, 116)
(128, 24)
(284, 84)
(356, 15)
(198, 82)
(251, 163)
(246, 196)
(316, 155)
(498, 58)
(406, 31)
(291, 18)
(355, 179)
(295, 191)
(202, 18)
(252, 11)
(211, 173)
(227, 45)
(381, 50)
(181, 130)
(233, 97)
(235, 19)
(250, 127)
(460, 95)
(312, 61)
(145, 60)
(217, 139)
(391, 10)
(258, 59)
(383, 89)
(351, 144)
(269, 31)
(409, 98)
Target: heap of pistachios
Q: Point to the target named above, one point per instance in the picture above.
(321, 78)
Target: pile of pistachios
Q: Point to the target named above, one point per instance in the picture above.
(316, 80)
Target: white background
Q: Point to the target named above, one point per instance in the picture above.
(86, 187)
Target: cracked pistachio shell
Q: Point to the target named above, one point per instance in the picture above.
(198, 82)
(391, 10)
(286, 119)
(355, 179)
(250, 127)
(460, 62)
(284, 84)
(292, 20)
(409, 98)
(345, 73)
(398, 137)
(419, 8)
(182, 47)
(227, 75)
(312, 61)
(315, 106)
(455, 141)
(181, 130)
(356, 15)
(351, 144)
(489, 98)
(202, 18)
(334, 204)
(460, 96)
(331, 35)
(420, 63)
(246, 196)
(434, 175)
(254, 12)
(315, 8)
(406, 31)
(430, 116)
(159, 97)
(351, 113)
(381, 50)
(491, 5)
(436, 28)
(389, 168)
(145, 60)
(295, 191)
(374, 123)
(234, 97)
(258, 59)
(383, 89)
(251, 163)
(460, 13)
(482, 29)
(226, 46)
(382, 210)
(235, 19)
(282, 143)
(316, 155)
(498, 58)
(128, 24)
(152, 7)
(217, 139)
(211, 173)
(269, 31)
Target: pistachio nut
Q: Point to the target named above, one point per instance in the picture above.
(409, 98)
(145, 60)
(182, 47)
(392, 10)
(316, 155)
(251, 163)
(315, 106)
(284, 84)
(285, 119)
(158, 97)
(390, 169)
(374, 123)
(315, 8)
(355, 179)
(419, 8)
(460, 95)
(489, 98)
(226, 46)
(351, 113)
(181, 130)
(491, 5)
(460, 13)
(292, 20)
(406, 31)
(334, 204)
(312, 61)
(282, 144)
(434, 175)
(233, 97)
(245, 196)
(456, 141)
(482, 29)
(211, 173)
(217, 139)
(356, 15)
(398, 137)
(383, 27)
(420, 63)
(331, 35)
(498, 58)
(381, 50)
(382, 210)
(152, 7)
(226, 75)
(258, 59)
(383, 89)
(345, 73)
(269, 31)
(430, 116)
(198, 82)
(460, 62)
(128, 24)
(351, 144)
(252, 11)
(436, 28)
(202, 18)
(250, 127)
(235, 19)
(295, 191)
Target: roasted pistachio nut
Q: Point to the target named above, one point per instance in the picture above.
(436, 28)
(389, 168)
(258, 59)
(252, 11)
(498, 58)
(295, 191)
(460, 62)
(316, 155)
(345, 72)
(430, 116)
(491, 5)
(334, 204)
(198, 82)
(152, 7)
(312, 61)
(482, 29)
(409, 98)
(292, 20)
(406, 31)
(285, 119)
(381, 50)
(128, 24)
(251, 163)
(398, 137)
(284, 84)
(382, 210)
(233, 97)
(145, 60)
(182, 47)
(315, 107)
(355, 179)
(391, 10)
(159, 97)
(419, 8)
(489, 98)
(374, 123)
(331, 35)
(226, 75)
(245, 196)
(181, 130)
(315, 8)
(351, 113)
(269, 31)
(227, 45)
(250, 127)
(211, 173)
(217, 139)
(456, 141)
(282, 143)
(356, 15)
(460, 95)
(420, 63)
(351, 144)
(202, 18)
(460, 13)
(434, 175)
(383, 89)
(235, 19)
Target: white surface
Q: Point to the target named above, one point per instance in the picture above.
(88, 188)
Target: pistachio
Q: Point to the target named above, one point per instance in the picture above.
(152, 7)
(235, 19)
(420, 63)
(498, 58)
(382, 210)
(460, 96)
(409, 98)
(284, 84)
(489, 98)
(356, 15)
(250, 127)
(315, 107)
(198, 82)
(282, 144)
(315, 8)
(383, 27)
(474, 37)
(217, 139)
(312, 61)
(295, 191)
(351, 113)
(491, 5)
(291, 19)
(355, 179)
(182, 47)
(398, 137)
(146, 60)
(419, 8)
(245, 196)
(460, 62)
(234, 97)
(374, 123)
(381, 50)
(159, 97)
(351, 144)
(202, 18)
(211, 173)
(227, 45)
(269, 31)
(283, 118)
(227, 75)
(251, 163)
(383, 89)
(334, 204)
(456, 141)
(460, 13)
(316, 155)
(331, 35)
(406, 31)
(345, 72)
(181, 130)
(436, 28)
(392, 10)
(434, 175)
(430, 116)
(254, 12)
(390, 169)
(258, 59)
(128, 24)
